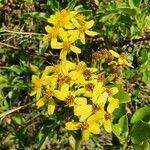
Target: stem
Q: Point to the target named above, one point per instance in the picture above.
(78, 143)
(77, 58)
(13, 110)
(22, 33)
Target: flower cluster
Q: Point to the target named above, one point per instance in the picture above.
(84, 89)
(66, 27)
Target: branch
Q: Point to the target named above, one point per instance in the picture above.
(125, 42)
(96, 43)
(22, 33)
(14, 109)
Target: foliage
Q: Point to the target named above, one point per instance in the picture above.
(70, 68)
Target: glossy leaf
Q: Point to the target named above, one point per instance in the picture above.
(140, 132)
(141, 114)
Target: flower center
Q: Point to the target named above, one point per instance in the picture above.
(95, 108)
(38, 83)
(64, 79)
(70, 99)
(89, 87)
(66, 45)
(49, 93)
(54, 33)
(87, 73)
(107, 116)
(82, 28)
(84, 126)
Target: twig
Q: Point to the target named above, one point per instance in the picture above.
(17, 48)
(22, 33)
(125, 42)
(13, 110)
(10, 46)
(99, 42)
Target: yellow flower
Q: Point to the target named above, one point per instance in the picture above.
(47, 99)
(87, 127)
(69, 97)
(113, 104)
(82, 29)
(82, 72)
(62, 72)
(99, 98)
(52, 35)
(121, 59)
(37, 83)
(66, 46)
(62, 19)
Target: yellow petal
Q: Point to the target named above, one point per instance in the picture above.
(113, 90)
(80, 91)
(89, 24)
(51, 106)
(75, 22)
(34, 78)
(63, 34)
(40, 102)
(32, 93)
(97, 91)
(82, 38)
(38, 93)
(93, 70)
(94, 128)
(72, 126)
(47, 70)
(80, 101)
(45, 38)
(63, 54)
(75, 49)
(91, 33)
(113, 104)
(115, 54)
(52, 19)
(98, 116)
(120, 61)
(48, 28)
(83, 110)
(85, 135)
(62, 94)
(74, 35)
(69, 26)
(107, 125)
(55, 44)
(128, 64)
(102, 99)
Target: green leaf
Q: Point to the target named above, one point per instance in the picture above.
(131, 4)
(16, 69)
(144, 55)
(39, 15)
(71, 5)
(121, 129)
(140, 132)
(134, 3)
(53, 4)
(18, 119)
(72, 142)
(141, 114)
(108, 17)
(47, 131)
(122, 95)
(144, 146)
(120, 111)
(137, 3)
